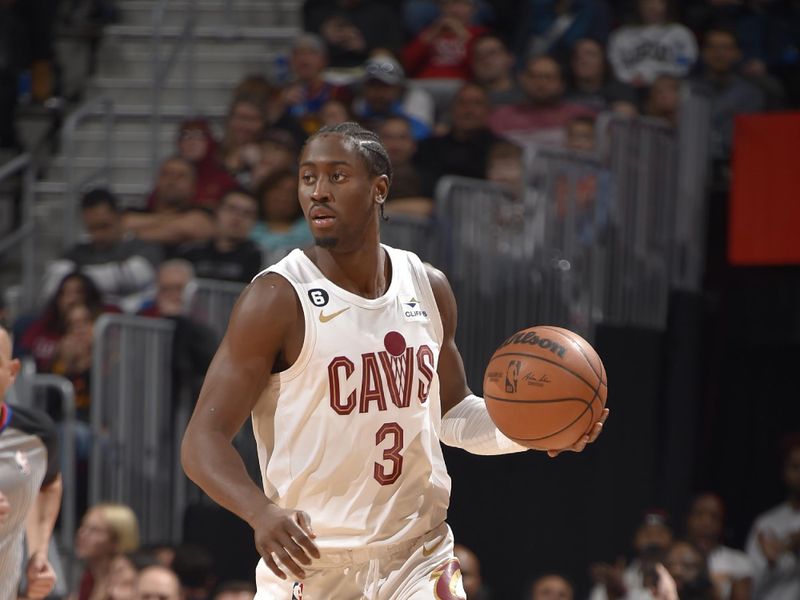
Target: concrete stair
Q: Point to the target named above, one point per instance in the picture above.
(225, 51)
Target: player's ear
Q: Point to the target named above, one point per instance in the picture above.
(381, 188)
(13, 367)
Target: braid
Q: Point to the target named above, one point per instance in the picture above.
(367, 144)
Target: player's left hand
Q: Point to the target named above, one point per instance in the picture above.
(40, 575)
(585, 440)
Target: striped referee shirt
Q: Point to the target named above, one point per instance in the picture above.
(28, 461)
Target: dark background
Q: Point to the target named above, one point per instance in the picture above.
(701, 406)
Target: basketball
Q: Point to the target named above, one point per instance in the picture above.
(545, 387)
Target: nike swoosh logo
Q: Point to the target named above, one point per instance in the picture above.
(428, 551)
(323, 318)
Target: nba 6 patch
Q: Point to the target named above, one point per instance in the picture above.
(413, 309)
(297, 591)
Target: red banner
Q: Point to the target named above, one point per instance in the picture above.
(764, 226)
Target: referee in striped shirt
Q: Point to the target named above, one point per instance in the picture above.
(30, 489)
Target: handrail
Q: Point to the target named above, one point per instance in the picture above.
(162, 69)
(74, 185)
(23, 235)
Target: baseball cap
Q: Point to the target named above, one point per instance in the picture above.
(385, 69)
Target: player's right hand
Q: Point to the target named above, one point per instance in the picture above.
(286, 536)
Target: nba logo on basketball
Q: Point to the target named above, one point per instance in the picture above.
(297, 591)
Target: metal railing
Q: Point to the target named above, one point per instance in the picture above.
(102, 173)
(162, 68)
(22, 237)
(212, 303)
(134, 451)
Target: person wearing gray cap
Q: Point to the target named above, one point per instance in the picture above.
(384, 93)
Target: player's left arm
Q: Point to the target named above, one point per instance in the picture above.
(466, 423)
(39, 526)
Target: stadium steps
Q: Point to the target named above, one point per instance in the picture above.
(225, 52)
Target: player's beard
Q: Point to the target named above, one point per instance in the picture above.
(326, 242)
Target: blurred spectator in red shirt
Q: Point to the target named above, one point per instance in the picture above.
(41, 337)
(196, 144)
(542, 117)
(443, 49)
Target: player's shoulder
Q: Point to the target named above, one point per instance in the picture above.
(438, 280)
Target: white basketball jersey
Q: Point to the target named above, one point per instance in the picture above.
(348, 432)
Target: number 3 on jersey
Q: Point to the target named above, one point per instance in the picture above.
(392, 454)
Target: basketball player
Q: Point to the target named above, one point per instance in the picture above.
(345, 355)
(30, 488)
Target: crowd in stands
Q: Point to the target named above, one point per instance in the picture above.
(461, 89)
(669, 560)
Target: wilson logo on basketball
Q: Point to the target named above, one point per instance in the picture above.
(534, 340)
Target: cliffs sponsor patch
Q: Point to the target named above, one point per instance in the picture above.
(413, 309)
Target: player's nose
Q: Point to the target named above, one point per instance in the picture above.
(321, 191)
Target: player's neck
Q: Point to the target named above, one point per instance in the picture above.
(365, 271)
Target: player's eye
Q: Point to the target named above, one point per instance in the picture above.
(307, 178)
(338, 177)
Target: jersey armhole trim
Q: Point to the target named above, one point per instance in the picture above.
(424, 283)
(309, 330)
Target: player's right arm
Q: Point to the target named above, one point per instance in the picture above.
(264, 318)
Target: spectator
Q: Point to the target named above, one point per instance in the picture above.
(309, 91)
(544, 114)
(229, 255)
(235, 590)
(654, 46)
(551, 587)
(247, 119)
(121, 266)
(41, 337)
(171, 219)
(334, 112)
(123, 573)
(464, 149)
(581, 134)
(730, 93)
(774, 540)
(196, 144)
(353, 29)
(276, 151)
(593, 85)
(29, 502)
(405, 194)
(157, 583)
(194, 343)
(730, 570)
(443, 49)
(73, 358)
(493, 70)
(687, 565)
(471, 573)
(651, 542)
(258, 89)
(195, 570)
(505, 167)
(384, 93)
(663, 99)
(281, 226)
(551, 27)
(106, 530)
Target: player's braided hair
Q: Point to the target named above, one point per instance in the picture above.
(367, 144)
